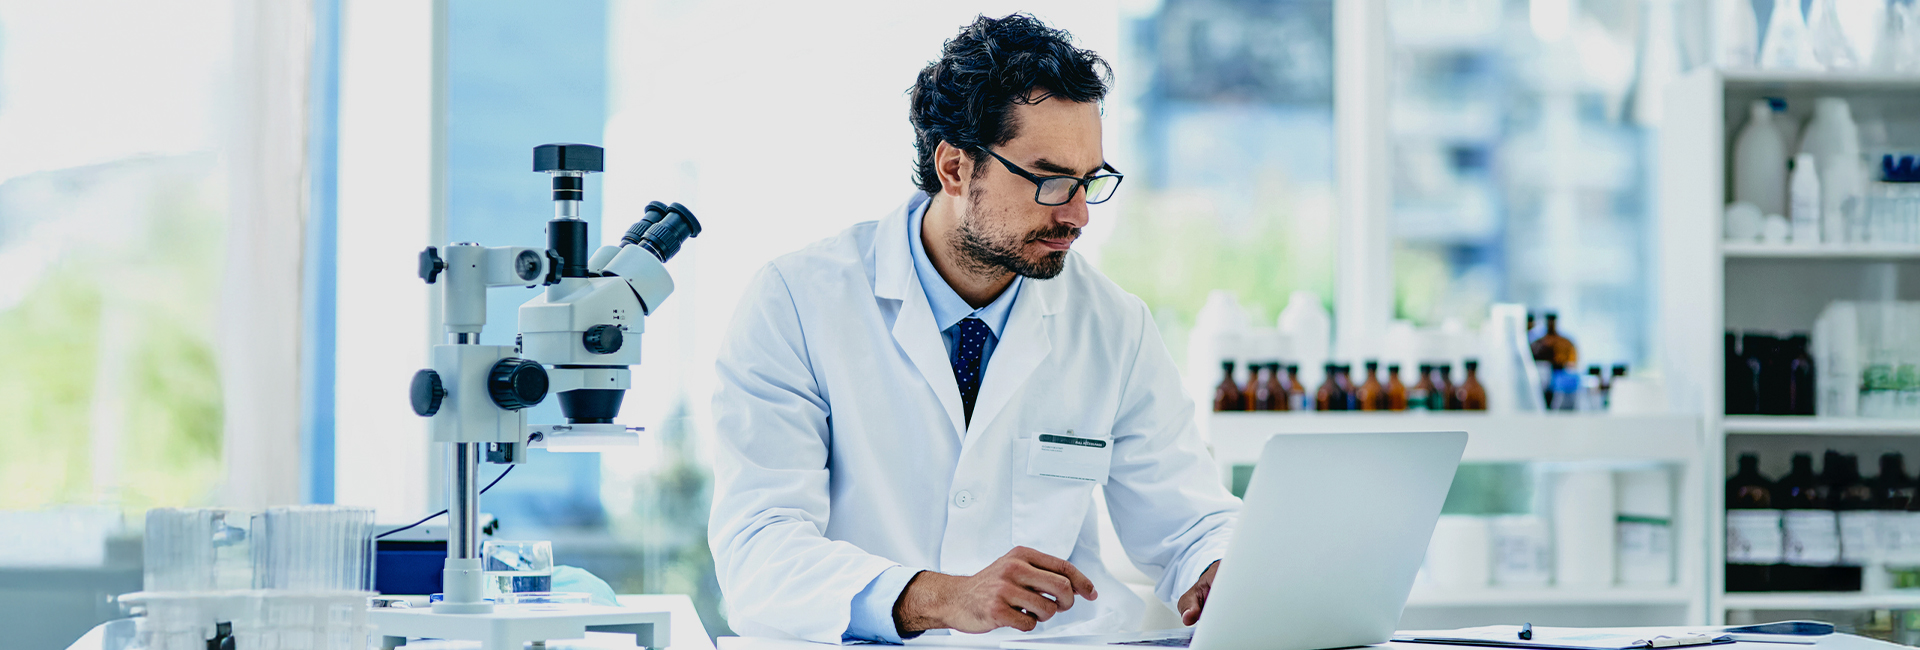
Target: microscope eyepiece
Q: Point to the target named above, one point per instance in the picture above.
(663, 229)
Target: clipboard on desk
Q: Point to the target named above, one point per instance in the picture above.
(1548, 638)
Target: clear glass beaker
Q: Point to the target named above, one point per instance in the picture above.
(517, 567)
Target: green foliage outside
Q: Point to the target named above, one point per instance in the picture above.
(667, 520)
(1171, 249)
(114, 338)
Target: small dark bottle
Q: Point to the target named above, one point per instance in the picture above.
(1800, 489)
(1858, 522)
(1849, 490)
(1754, 537)
(1447, 392)
(1772, 382)
(1274, 390)
(1800, 379)
(1348, 386)
(1330, 397)
(1748, 489)
(1742, 395)
(1832, 466)
(1892, 489)
(1606, 389)
(1227, 395)
(1372, 396)
(1420, 396)
(1251, 392)
(1396, 391)
(1473, 396)
(1810, 528)
(1296, 393)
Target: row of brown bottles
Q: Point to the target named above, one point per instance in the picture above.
(1270, 389)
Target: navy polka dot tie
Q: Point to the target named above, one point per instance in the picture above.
(970, 339)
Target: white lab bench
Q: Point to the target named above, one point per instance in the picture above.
(1833, 642)
(683, 627)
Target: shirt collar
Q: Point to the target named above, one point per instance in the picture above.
(948, 307)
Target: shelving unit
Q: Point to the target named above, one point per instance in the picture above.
(1674, 440)
(1551, 597)
(1708, 286)
(1880, 252)
(1792, 425)
(1237, 437)
(1824, 600)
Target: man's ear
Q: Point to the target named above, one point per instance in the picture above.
(954, 167)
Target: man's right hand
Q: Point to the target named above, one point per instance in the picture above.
(1019, 590)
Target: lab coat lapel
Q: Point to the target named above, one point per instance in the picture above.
(913, 328)
(1025, 344)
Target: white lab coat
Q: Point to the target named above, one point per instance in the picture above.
(843, 449)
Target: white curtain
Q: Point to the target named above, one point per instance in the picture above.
(260, 322)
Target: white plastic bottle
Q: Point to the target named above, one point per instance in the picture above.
(1760, 161)
(1310, 328)
(1834, 141)
(1215, 337)
(1830, 131)
(1803, 199)
(1788, 46)
(1736, 34)
(1842, 193)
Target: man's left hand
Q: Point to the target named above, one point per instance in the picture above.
(1196, 597)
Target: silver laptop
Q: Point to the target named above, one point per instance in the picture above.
(1332, 531)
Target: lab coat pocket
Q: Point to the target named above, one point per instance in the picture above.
(1048, 510)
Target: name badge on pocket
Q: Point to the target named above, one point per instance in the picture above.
(1069, 457)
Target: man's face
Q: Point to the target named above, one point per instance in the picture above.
(1002, 227)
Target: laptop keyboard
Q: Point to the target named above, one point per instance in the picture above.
(1174, 642)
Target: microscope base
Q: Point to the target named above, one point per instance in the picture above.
(511, 629)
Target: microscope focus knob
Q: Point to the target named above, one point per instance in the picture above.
(603, 339)
(515, 384)
(427, 393)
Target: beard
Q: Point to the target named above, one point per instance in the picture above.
(993, 253)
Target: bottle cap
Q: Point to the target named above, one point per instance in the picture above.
(1900, 169)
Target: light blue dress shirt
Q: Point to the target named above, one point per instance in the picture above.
(872, 617)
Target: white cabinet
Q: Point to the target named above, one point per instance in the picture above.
(1558, 439)
(1707, 287)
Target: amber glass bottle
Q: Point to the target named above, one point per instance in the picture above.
(1396, 391)
(1227, 396)
(1330, 397)
(1420, 396)
(1473, 396)
(1372, 394)
(1444, 396)
(1344, 374)
(1251, 392)
(1296, 393)
(1275, 389)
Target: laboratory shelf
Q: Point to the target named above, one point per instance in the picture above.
(1820, 600)
(1803, 425)
(1860, 252)
(1426, 596)
(1821, 81)
(1238, 437)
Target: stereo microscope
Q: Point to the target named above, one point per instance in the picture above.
(577, 340)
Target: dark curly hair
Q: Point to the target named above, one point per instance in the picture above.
(994, 63)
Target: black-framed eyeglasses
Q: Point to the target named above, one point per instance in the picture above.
(1058, 190)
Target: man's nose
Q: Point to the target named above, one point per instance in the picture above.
(1074, 212)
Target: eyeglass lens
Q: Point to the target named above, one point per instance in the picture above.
(1056, 191)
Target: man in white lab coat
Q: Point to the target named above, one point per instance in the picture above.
(914, 415)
